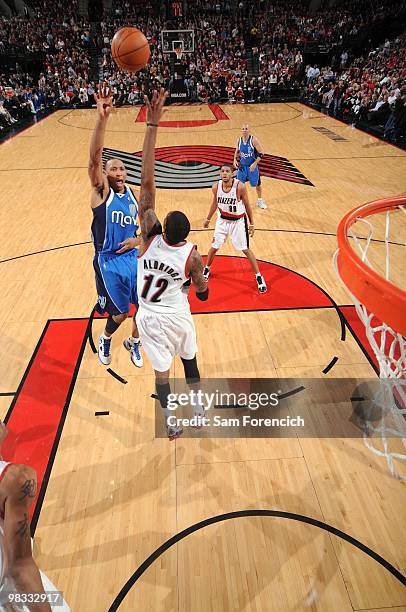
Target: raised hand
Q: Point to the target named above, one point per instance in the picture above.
(155, 106)
(104, 100)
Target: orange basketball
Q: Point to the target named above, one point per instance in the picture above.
(130, 49)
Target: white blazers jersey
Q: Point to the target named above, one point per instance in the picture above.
(228, 205)
(161, 275)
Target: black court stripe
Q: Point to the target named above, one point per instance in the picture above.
(11, 394)
(117, 376)
(91, 341)
(330, 365)
(241, 514)
(65, 246)
(287, 231)
(290, 393)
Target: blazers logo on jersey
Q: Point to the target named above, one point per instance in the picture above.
(197, 167)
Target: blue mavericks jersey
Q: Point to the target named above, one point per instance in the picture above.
(247, 151)
(114, 221)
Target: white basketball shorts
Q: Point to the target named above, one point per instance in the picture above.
(165, 335)
(236, 230)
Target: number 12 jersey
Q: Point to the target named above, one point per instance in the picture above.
(161, 276)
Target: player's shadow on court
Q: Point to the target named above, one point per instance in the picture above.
(142, 482)
(282, 539)
(88, 400)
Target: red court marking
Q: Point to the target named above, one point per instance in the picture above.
(233, 288)
(142, 115)
(219, 115)
(37, 412)
(218, 112)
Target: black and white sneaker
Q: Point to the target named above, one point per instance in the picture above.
(105, 350)
(206, 273)
(262, 288)
(134, 348)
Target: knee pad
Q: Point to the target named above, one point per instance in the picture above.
(111, 325)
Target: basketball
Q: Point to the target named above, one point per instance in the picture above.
(130, 49)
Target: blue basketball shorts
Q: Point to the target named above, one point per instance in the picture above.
(116, 282)
(244, 174)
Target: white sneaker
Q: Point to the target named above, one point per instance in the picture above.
(173, 432)
(134, 350)
(200, 414)
(105, 350)
(261, 203)
(262, 288)
(206, 273)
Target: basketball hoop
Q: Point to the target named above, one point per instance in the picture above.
(179, 52)
(381, 306)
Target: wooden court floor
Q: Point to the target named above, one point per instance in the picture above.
(114, 494)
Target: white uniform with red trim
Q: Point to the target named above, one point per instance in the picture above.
(6, 584)
(164, 321)
(232, 219)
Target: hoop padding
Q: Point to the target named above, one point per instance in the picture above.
(381, 297)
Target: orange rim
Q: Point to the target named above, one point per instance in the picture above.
(381, 297)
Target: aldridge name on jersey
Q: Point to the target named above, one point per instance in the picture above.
(152, 264)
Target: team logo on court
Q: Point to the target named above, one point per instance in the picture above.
(198, 167)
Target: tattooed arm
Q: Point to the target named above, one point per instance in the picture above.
(195, 271)
(20, 484)
(146, 210)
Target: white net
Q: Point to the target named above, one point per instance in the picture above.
(388, 345)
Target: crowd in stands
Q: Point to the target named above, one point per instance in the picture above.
(229, 34)
(370, 91)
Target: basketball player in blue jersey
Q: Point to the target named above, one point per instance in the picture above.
(247, 154)
(114, 227)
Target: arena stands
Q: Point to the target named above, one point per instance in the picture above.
(244, 53)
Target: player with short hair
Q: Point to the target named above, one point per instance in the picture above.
(230, 199)
(167, 265)
(114, 227)
(19, 574)
(247, 154)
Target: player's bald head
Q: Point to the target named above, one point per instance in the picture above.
(245, 128)
(114, 163)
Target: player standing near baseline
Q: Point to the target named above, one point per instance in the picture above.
(167, 264)
(230, 198)
(247, 154)
(115, 210)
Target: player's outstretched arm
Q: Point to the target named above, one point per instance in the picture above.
(195, 271)
(104, 103)
(213, 206)
(146, 209)
(20, 485)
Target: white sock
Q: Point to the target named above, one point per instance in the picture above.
(106, 337)
(134, 340)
